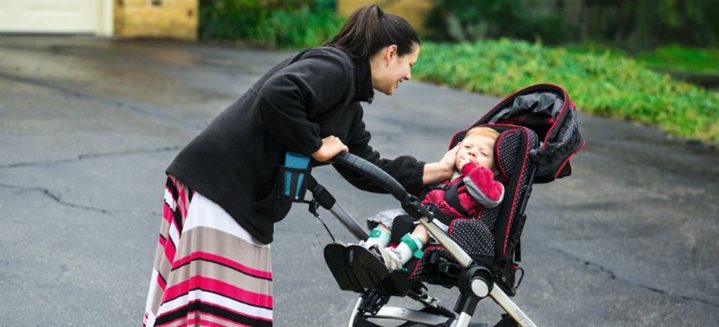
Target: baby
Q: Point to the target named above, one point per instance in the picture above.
(471, 190)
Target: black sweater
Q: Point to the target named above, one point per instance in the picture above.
(311, 95)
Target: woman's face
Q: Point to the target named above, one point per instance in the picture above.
(389, 69)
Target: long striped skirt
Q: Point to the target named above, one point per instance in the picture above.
(208, 270)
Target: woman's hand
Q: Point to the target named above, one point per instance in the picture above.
(442, 169)
(331, 146)
(450, 158)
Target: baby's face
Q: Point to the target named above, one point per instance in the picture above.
(477, 149)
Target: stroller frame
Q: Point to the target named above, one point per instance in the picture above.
(476, 281)
(549, 118)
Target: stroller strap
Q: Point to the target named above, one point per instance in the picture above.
(452, 197)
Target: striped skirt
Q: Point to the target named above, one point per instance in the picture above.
(208, 270)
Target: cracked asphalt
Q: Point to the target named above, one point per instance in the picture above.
(87, 127)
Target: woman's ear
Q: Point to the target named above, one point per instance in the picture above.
(389, 52)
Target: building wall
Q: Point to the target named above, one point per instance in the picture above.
(156, 18)
(56, 16)
(414, 11)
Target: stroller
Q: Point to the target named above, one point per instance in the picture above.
(538, 135)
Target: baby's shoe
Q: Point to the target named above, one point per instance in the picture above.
(389, 256)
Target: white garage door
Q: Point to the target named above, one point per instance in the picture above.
(50, 16)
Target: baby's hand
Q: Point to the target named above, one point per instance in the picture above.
(461, 161)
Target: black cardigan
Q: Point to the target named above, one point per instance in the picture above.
(311, 95)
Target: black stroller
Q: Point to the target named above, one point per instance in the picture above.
(538, 135)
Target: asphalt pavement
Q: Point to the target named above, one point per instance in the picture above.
(87, 127)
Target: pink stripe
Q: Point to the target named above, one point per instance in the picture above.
(179, 322)
(169, 217)
(202, 322)
(170, 250)
(167, 213)
(219, 287)
(199, 314)
(180, 204)
(181, 199)
(223, 261)
(231, 310)
(167, 244)
(161, 282)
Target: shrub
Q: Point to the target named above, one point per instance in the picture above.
(471, 20)
(634, 25)
(283, 24)
(608, 84)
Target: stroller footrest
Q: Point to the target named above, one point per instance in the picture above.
(356, 269)
(339, 263)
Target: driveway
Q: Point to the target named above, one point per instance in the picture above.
(87, 127)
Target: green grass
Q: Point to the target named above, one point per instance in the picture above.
(603, 83)
(681, 59)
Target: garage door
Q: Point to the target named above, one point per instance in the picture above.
(49, 16)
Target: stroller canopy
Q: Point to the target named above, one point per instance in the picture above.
(547, 110)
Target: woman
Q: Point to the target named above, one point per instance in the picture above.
(212, 263)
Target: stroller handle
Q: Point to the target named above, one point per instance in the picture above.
(377, 175)
(409, 202)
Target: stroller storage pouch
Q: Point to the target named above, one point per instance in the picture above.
(294, 175)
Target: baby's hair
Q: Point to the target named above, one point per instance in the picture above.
(483, 131)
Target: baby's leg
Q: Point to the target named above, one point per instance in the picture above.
(379, 236)
(381, 224)
(409, 237)
(421, 234)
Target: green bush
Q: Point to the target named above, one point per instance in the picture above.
(677, 58)
(599, 83)
(275, 24)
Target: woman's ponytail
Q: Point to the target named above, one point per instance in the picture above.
(370, 29)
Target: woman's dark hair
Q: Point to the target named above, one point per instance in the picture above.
(370, 29)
